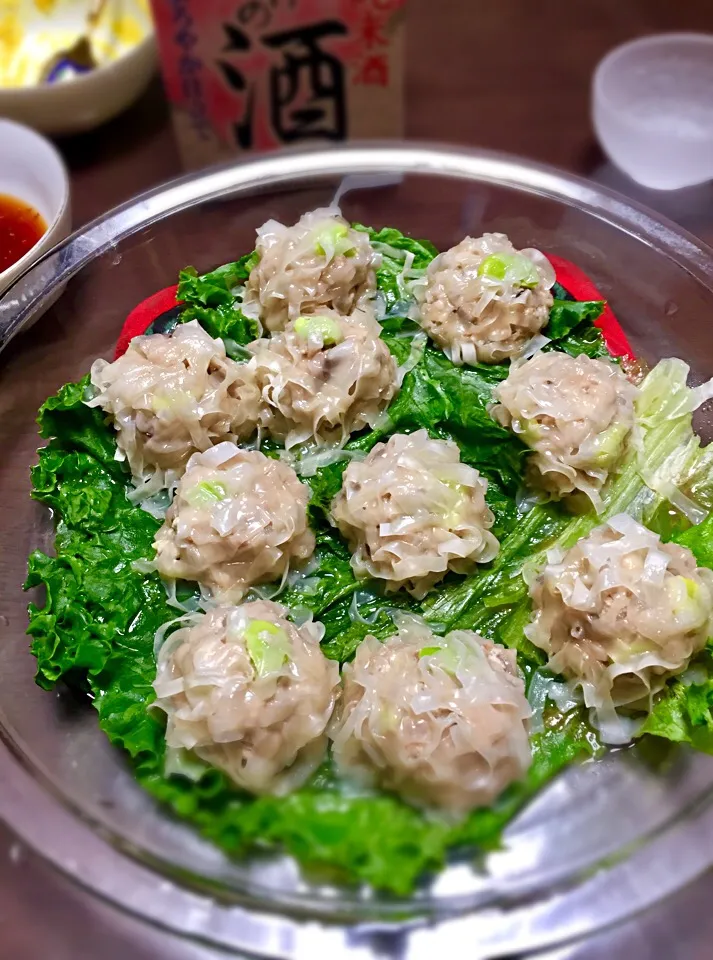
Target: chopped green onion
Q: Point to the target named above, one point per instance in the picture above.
(453, 516)
(175, 400)
(512, 267)
(445, 656)
(333, 241)
(684, 594)
(531, 432)
(324, 328)
(388, 719)
(608, 445)
(428, 651)
(268, 646)
(184, 763)
(206, 493)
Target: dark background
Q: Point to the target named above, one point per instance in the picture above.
(509, 75)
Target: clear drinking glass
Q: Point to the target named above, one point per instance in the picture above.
(605, 840)
(652, 106)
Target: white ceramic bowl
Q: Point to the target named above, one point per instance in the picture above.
(32, 170)
(87, 100)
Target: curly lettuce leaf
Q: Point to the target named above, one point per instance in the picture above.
(495, 602)
(65, 419)
(97, 624)
(394, 247)
(452, 403)
(699, 540)
(571, 328)
(683, 711)
(93, 595)
(565, 315)
(228, 324)
(97, 627)
(571, 325)
(584, 339)
(214, 299)
(217, 288)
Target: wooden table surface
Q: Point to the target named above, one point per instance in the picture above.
(510, 75)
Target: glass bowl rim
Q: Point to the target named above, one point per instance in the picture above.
(33, 291)
(43, 282)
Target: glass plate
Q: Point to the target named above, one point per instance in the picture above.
(605, 840)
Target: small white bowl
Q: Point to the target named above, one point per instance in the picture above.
(652, 106)
(32, 170)
(87, 100)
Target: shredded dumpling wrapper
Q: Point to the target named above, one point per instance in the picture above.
(575, 414)
(317, 392)
(320, 262)
(477, 315)
(171, 396)
(442, 721)
(619, 614)
(238, 518)
(250, 693)
(411, 511)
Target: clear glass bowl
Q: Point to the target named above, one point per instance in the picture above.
(604, 841)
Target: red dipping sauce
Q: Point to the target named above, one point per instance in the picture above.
(21, 226)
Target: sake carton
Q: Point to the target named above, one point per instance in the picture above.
(244, 75)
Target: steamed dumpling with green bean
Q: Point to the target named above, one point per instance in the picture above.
(483, 300)
(574, 413)
(170, 396)
(411, 511)
(238, 518)
(325, 376)
(249, 692)
(442, 721)
(619, 614)
(319, 262)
